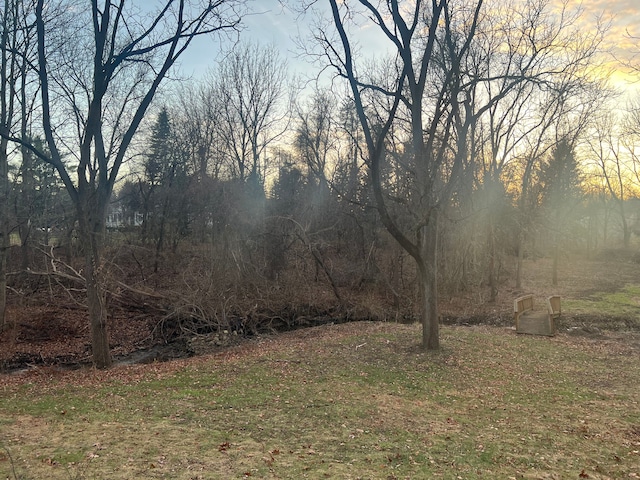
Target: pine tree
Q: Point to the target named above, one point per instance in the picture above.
(561, 193)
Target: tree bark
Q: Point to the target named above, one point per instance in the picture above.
(27, 176)
(96, 300)
(6, 101)
(626, 232)
(520, 246)
(92, 227)
(556, 253)
(4, 251)
(429, 285)
(4, 230)
(493, 281)
(161, 230)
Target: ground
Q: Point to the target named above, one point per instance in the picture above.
(349, 401)
(356, 400)
(54, 331)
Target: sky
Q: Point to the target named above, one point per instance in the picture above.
(279, 25)
(625, 16)
(624, 19)
(270, 24)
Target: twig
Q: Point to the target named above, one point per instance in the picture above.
(141, 292)
(13, 466)
(54, 274)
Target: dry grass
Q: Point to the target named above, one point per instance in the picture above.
(345, 401)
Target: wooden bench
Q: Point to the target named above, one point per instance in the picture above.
(536, 322)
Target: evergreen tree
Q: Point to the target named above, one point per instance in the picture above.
(561, 178)
(561, 193)
(163, 192)
(158, 162)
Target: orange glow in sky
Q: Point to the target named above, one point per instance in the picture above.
(623, 36)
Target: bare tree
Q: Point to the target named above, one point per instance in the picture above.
(196, 116)
(250, 84)
(614, 166)
(92, 104)
(316, 136)
(631, 137)
(16, 40)
(198, 136)
(456, 78)
(421, 90)
(537, 87)
(6, 111)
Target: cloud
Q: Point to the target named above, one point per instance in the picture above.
(624, 16)
(622, 39)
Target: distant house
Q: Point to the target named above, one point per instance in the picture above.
(118, 218)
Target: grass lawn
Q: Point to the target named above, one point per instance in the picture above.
(344, 401)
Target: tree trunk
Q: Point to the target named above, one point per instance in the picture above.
(520, 247)
(24, 213)
(97, 314)
(91, 225)
(428, 277)
(4, 229)
(3, 280)
(626, 232)
(161, 229)
(146, 229)
(6, 102)
(590, 231)
(556, 252)
(493, 281)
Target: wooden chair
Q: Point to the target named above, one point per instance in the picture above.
(536, 322)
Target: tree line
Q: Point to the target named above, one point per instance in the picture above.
(482, 133)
